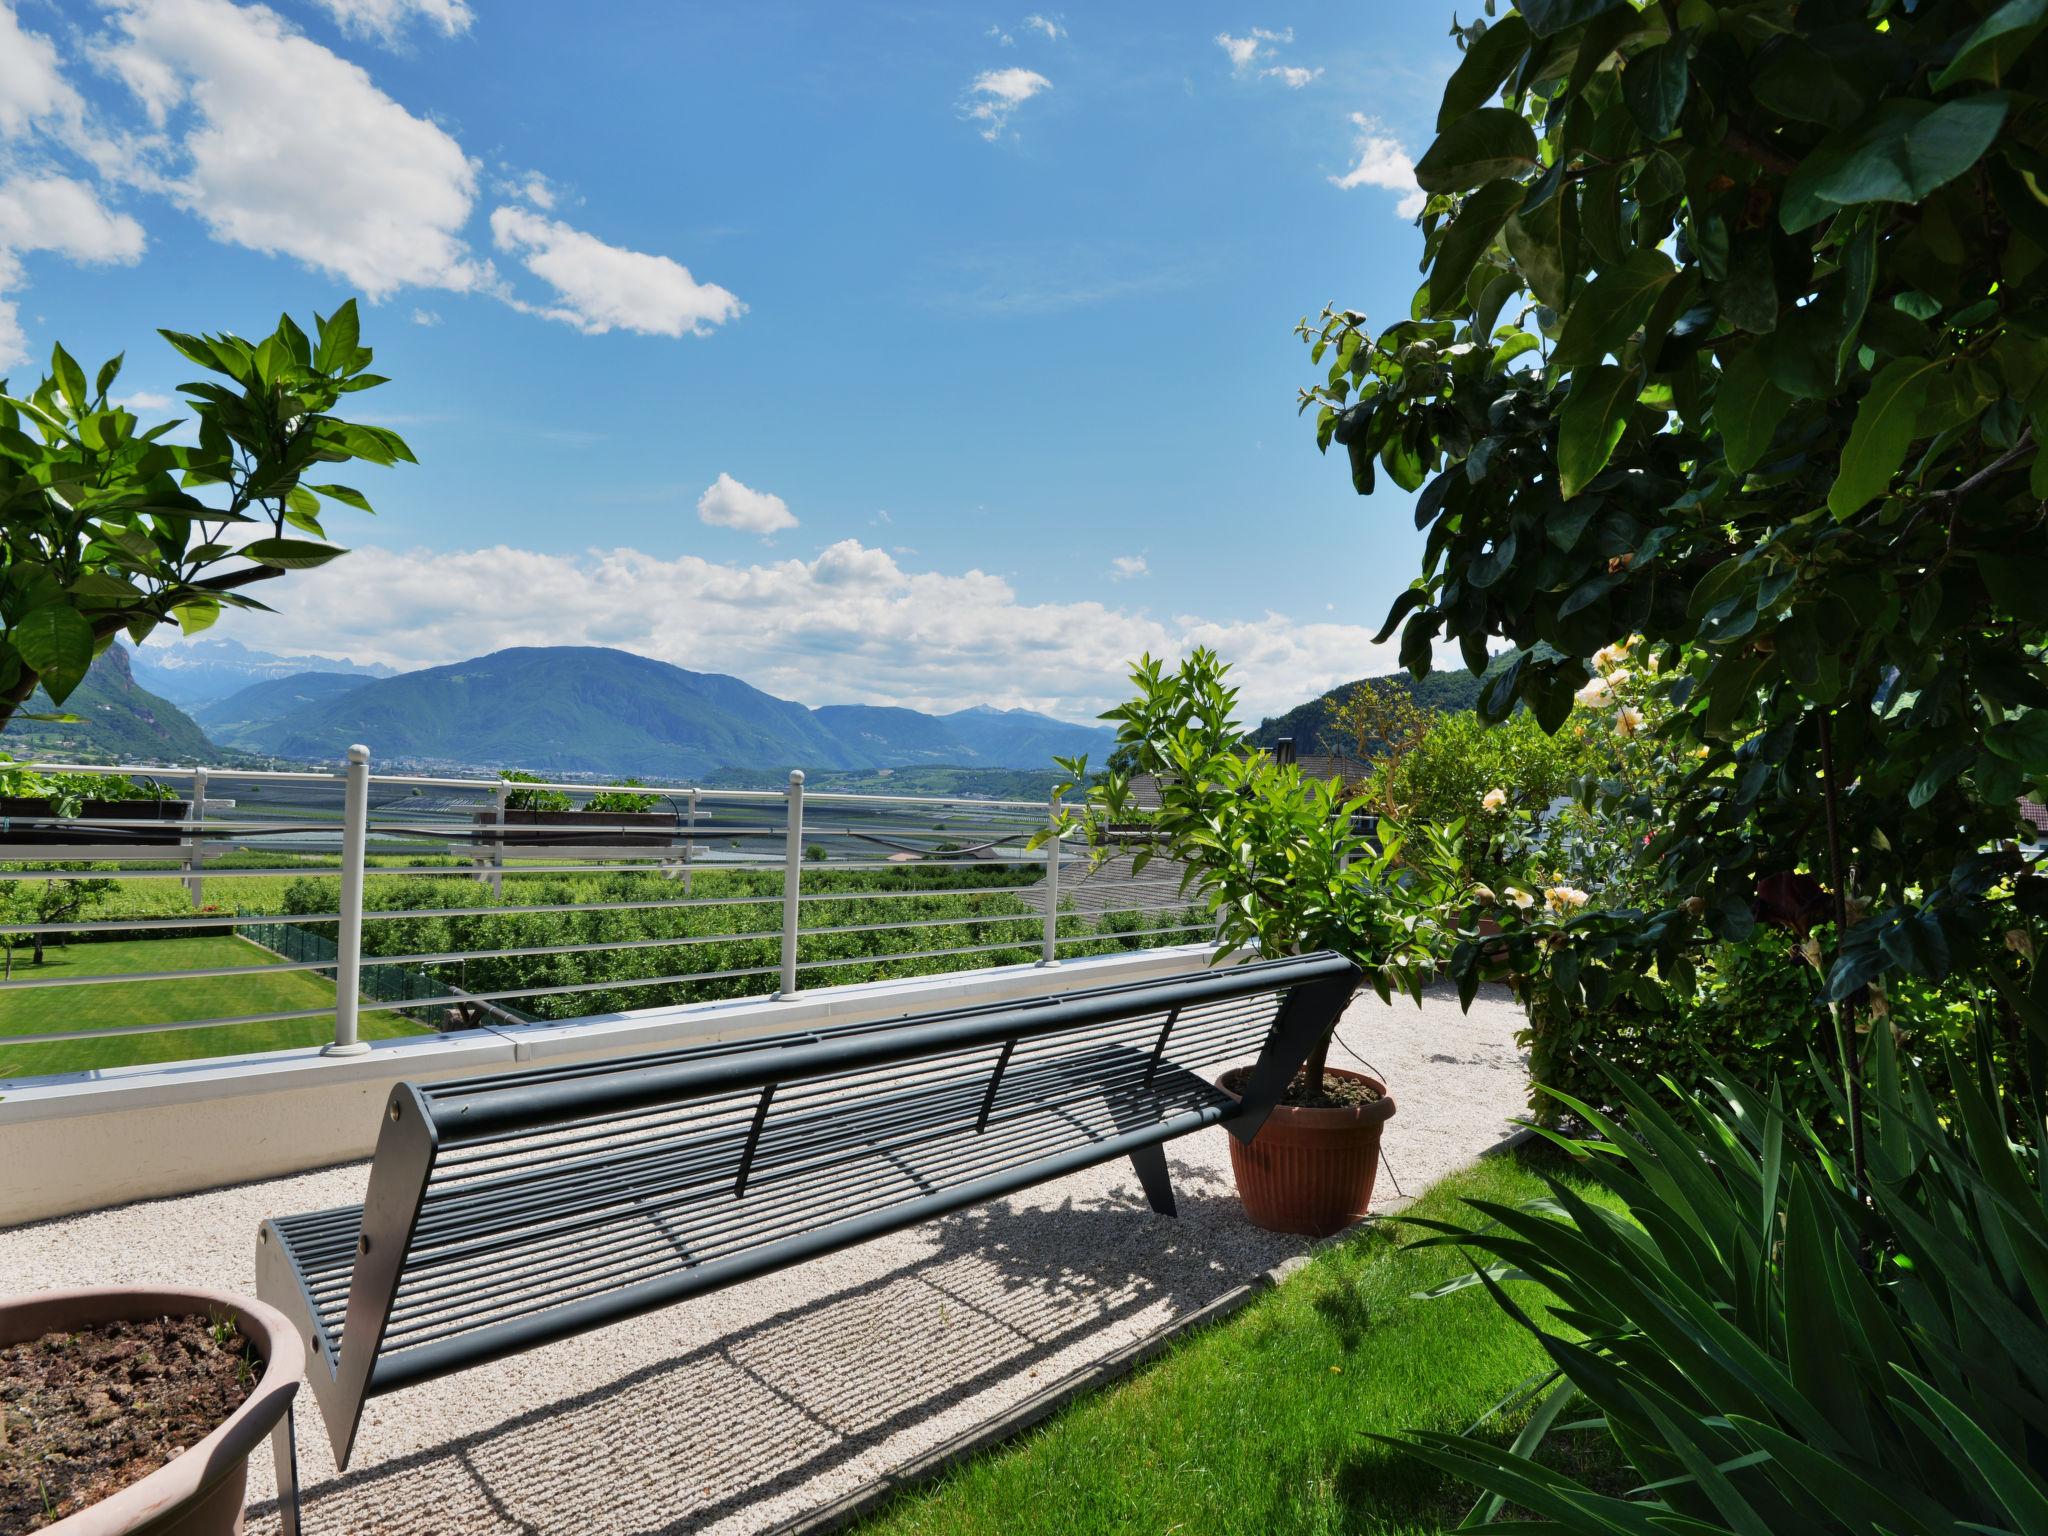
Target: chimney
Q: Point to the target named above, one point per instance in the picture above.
(1283, 751)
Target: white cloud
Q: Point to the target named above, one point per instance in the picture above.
(33, 90)
(1003, 39)
(146, 400)
(426, 316)
(57, 214)
(1382, 162)
(1244, 51)
(1051, 26)
(1128, 567)
(602, 287)
(728, 504)
(1293, 76)
(849, 624)
(280, 145)
(997, 93)
(387, 20)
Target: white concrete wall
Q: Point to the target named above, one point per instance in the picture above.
(104, 1138)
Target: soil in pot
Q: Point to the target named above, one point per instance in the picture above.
(1312, 1167)
(85, 1414)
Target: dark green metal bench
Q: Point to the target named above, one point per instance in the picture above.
(511, 1211)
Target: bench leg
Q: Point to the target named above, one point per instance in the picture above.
(284, 1448)
(1150, 1163)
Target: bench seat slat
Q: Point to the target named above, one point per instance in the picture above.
(507, 1212)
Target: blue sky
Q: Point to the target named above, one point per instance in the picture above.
(932, 355)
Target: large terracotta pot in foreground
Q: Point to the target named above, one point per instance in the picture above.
(199, 1493)
(1310, 1170)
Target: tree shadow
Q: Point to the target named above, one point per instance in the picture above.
(816, 1389)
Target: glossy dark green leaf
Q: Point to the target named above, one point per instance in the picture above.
(1611, 308)
(1747, 409)
(1654, 84)
(1476, 148)
(1592, 422)
(1999, 42)
(291, 554)
(1466, 238)
(1884, 430)
(1903, 151)
(1484, 69)
(57, 643)
(1548, 17)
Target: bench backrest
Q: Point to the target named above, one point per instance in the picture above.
(507, 1211)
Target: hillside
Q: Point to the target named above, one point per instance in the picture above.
(1309, 724)
(588, 709)
(997, 738)
(560, 709)
(244, 719)
(118, 721)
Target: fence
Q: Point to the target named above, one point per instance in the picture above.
(709, 892)
(381, 983)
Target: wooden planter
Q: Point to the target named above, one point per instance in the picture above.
(16, 807)
(1310, 1170)
(199, 1493)
(589, 829)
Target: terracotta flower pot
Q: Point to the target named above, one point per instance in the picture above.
(199, 1493)
(1310, 1170)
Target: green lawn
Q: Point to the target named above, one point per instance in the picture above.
(156, 1002)
(1260, 1425)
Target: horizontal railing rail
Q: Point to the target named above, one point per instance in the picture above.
(704, 892)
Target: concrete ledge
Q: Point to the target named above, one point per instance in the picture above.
(96, 1139)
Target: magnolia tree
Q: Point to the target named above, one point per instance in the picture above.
(1734, 335)
(108, 528)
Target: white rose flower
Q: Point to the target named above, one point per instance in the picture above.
(1520, 897)
(1628, 720)
(1564, 898)
(1597, 694)
(1494, 799)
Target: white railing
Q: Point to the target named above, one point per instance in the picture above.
(937, 870)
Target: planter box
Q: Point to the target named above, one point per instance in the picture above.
(170, 812)
(587, 829)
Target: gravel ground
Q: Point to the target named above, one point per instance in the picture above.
(737, 1411)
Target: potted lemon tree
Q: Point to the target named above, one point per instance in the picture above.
(1283, 862)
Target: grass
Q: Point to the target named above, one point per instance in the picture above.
(1262, 1423)
(41, 1010)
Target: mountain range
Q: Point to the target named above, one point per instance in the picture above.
(196, 672)
(589, 709)
(568, 710)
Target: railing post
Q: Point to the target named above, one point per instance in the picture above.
(792, 880)
(690, 842)
(195, 845)
(348, 940)
(497, 875)
(1051, 952)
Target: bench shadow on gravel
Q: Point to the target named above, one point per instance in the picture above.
(685, 1443)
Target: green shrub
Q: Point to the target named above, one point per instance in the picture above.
(1773, 1349)
(532, 799)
